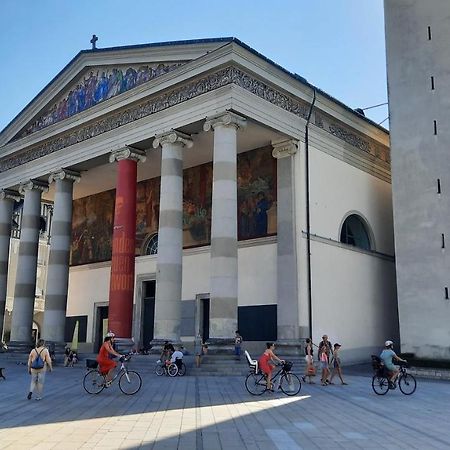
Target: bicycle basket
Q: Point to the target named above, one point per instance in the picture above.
(287, 366)
(91, 364)
(377, 363)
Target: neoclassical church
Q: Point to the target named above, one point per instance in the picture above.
(170, 189)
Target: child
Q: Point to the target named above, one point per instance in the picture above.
(337, 364)
(324, 365)
(237, 345)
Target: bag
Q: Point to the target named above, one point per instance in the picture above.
(38, 363)
(311, 370)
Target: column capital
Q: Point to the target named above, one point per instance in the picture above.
(225, 119)
(172, 137)
(33, 185)
(127, 153)
(64, 174)
(284, 148)
(7, 194)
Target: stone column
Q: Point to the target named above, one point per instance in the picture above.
(224, 258)
(121, 292)
(7, 199)
(25, 289)
(58, 265)
(287, 290)
(170, 237)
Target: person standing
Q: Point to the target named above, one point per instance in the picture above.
(337, 368)
(310, 370)
(237, 345)
(38, 362)
(325, 343)
(198, 346)
(323, 357)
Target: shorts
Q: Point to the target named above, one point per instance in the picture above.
(323, 365)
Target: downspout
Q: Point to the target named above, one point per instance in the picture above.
(308, 215)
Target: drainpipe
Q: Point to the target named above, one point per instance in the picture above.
(308, 214)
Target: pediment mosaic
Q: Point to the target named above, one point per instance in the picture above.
(95, 86)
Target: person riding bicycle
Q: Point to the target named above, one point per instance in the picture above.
(264, 363)
(106, 364)
(177, 358)
(388, 356)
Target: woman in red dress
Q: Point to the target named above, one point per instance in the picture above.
(106, 364)
(264, 363)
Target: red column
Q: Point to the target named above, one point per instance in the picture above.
(121, 290)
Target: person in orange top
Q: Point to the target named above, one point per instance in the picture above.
(265, 365)
(106, 364)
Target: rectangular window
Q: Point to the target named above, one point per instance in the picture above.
(432, 83)
(446, 293)
(442, 240)
(429, 33)
(438, 185)
(435, 126)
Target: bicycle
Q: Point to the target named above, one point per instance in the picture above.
(171, 369)
(129, 380)
(381, 383)
(289, 383)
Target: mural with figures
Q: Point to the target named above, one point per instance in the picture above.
(95, 86)
(93, 215)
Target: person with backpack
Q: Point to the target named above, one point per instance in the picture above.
(38, 362)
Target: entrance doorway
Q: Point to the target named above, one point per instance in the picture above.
(204, 318)
(101, 326)
(148, 312)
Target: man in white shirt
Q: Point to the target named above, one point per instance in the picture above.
(177, 358)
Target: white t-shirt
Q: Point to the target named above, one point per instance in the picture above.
(176, 354)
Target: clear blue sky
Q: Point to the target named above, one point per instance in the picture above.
(337, 45)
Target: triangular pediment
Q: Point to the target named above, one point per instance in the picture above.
(96, 76)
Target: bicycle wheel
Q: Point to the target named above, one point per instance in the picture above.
(94, 382)
(255, 384)
(407, 384)
(130, 382)
(380, 385)
(182, 370)
(290, 384)
(159, 370)
(172, 370)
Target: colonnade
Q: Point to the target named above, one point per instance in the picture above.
(224, 242)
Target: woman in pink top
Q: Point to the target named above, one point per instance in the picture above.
(324, 365)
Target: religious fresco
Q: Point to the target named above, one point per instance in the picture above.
(256, 178)
(95, 86)
(92, 226)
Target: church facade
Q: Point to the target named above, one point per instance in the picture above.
(197, 187)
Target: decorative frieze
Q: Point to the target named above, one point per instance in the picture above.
(190, 90)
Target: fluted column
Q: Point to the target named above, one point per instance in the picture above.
(7, 199)
(224, 258)
(58, 265)
(121, 291)
(24, 294)
(287, 290)
(170, 237)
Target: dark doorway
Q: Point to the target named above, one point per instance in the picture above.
(101, 326)
(204, 326)
(148, 313)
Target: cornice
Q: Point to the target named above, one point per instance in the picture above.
(189, 90)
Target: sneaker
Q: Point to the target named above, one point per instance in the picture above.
(38, 398)
(29, 395)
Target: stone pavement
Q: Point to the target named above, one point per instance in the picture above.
(217, 413)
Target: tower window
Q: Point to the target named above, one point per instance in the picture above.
(438, 185)
(435, 126)
(354, 232)
(432, 83)
(429, 33)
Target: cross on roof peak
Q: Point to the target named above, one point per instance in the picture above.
(94, 41)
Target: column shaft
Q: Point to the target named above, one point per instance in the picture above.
(287, 291)
(7, 199)
(58, 266)
(224, 258)
(24, 294)
(170, 238)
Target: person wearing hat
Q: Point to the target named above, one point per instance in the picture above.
(336, 361)
(388, 356)
(106, 364)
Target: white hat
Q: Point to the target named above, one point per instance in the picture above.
(388, 343)
(110, 334)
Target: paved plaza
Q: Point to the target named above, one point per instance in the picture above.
(217, 413)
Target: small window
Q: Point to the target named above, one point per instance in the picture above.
(151, 245)
(354, 232)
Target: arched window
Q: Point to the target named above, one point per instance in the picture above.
(151, 245)
(354, 232)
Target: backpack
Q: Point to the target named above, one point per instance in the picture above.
(38, 363)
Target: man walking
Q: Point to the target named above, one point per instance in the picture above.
(38, 361)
